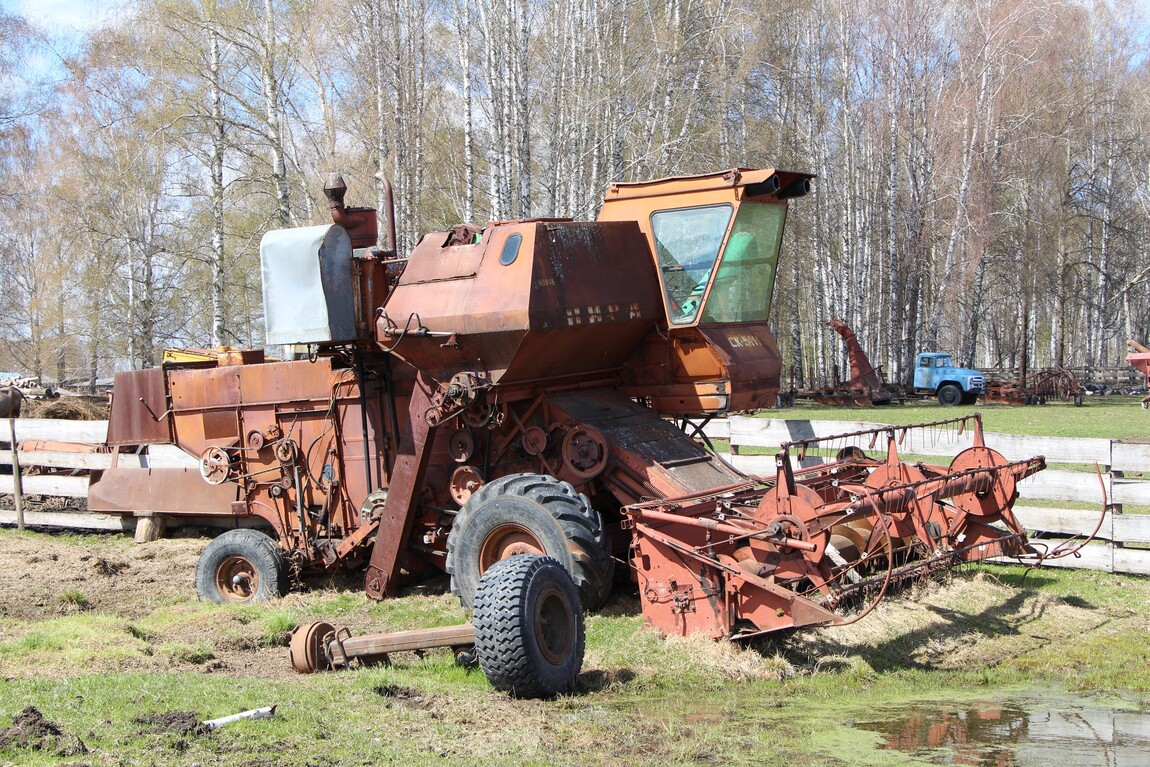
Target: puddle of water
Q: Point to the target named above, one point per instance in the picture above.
(1017, 732)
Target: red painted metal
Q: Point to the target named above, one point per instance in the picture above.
(804, 548)
(1139, 358)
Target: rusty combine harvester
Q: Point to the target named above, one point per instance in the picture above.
(508, 390)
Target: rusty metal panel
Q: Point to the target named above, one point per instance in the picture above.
(193, 389)
(160, 491)
(536, 299)
(287, 382)
(129, 422)
(646, 442)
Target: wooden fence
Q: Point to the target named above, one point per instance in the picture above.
(1078, 489)
(64, 473)
(1120, 537)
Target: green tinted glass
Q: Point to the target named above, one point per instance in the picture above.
(741, 290)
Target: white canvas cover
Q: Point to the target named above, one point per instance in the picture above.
(307, 285)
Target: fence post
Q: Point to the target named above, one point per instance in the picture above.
(17, 485)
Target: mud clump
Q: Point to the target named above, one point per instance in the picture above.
(30, 730)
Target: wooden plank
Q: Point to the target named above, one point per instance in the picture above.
(85, 520)
(1132, 528)
(62, 459)
(91, 432)
(1065, 521)
(36, 484)
(1127, 456)
(1017, 447)
(166, 457)
(1061, 485)
(720, 428)
(1130, 491)
(1135, 561)
(1094, 556)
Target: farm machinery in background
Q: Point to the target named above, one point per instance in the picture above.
(1139, 358)
(508, 390)
(935, 375)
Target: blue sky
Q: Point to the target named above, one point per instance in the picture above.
(54, 15)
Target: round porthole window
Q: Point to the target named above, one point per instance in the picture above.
(510, 250)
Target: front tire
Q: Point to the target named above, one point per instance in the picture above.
(529, 630)
(241, 567)
(530, 514)
(949, 395)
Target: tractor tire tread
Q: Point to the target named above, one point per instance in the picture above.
(505, 638)
(588, 547)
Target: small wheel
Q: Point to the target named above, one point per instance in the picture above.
(949, 395)
(529, 630)
(241, 567)
(306, 647)
(529, 514)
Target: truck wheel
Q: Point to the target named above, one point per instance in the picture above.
(241, 566)
(949, 395)
(530, 514)
(529, 631)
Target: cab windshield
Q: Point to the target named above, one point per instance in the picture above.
(742, 287)
(688, 243)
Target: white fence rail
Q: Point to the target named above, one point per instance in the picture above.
(1082, 488)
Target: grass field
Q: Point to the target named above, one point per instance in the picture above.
(1106, 417)
(106, 640)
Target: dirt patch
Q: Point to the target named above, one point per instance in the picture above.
(174, 722)
(45, 576)
(31, 731)
(405, 696)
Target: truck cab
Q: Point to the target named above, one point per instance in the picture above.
(935, 374)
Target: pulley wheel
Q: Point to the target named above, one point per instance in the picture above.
(465, 480)
(306, 648)
(215, 464)
(479, 415)
(461, 445)
(255, 439)
(372, 506)
(585, 452)
(534, 440)
(923, 506)
(997, 490)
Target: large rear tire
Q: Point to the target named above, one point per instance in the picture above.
(949, 395)
(530, 514)
(529, 630)
(241, 567)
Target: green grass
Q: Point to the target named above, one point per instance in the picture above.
(643, 700)
(1104, 417)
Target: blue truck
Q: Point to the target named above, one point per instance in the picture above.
(935, 374)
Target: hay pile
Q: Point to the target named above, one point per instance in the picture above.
(67, 409)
